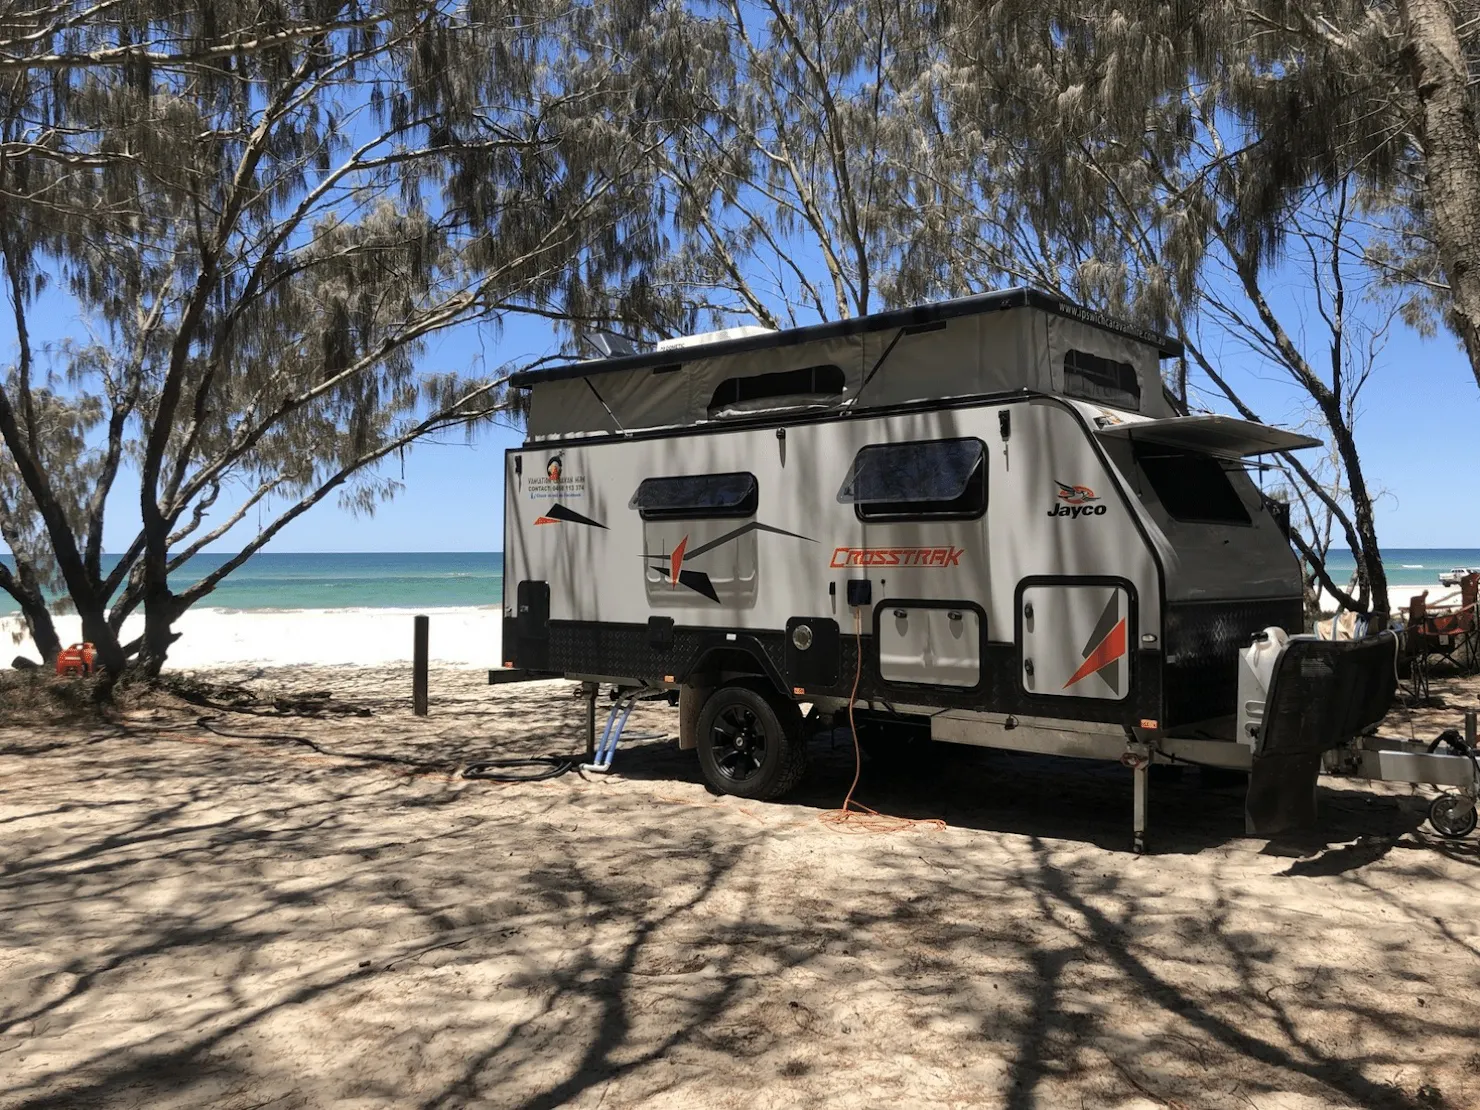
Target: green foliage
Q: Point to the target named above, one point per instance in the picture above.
(263, 213)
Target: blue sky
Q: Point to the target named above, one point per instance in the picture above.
(1417, 435)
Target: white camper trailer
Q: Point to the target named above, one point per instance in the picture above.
(979, 520)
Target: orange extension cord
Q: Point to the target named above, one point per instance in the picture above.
(854, 816)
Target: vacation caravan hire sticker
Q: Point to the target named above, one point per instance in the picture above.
(557, 483)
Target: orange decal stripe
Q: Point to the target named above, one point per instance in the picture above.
(1107, 651)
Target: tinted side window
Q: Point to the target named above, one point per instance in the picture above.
(696, 497)
(1095, 378)
(1194, 489)
(932, 478)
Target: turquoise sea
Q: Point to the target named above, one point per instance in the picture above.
(282, 580)
(1408, 566)
(274, 580)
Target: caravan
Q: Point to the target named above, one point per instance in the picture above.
(978, 521)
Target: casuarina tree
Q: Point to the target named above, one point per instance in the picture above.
(257, 215)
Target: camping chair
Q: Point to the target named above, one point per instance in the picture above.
(1419, 645)
(1448, 631)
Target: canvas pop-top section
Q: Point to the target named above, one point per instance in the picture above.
(988, 344)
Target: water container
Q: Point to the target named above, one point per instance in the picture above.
(1256, 665)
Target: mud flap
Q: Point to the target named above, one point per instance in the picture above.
(1282, 793)
(1321, 695)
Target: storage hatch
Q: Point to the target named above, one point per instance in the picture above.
(939, 644)
(1076, 640)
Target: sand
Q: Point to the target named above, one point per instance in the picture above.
(1400, 596)
(460, 637)
(250, 911)
(333, 637)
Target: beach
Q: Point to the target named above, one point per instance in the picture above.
(461, 636)
(364, 637)
(1399, 597)
(246, 909)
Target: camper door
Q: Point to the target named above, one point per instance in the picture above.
(920, 505)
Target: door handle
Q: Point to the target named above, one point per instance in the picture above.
(901, 614)
(953, 615)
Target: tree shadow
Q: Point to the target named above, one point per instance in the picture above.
(202, 920)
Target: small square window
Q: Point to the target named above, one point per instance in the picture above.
(1095, 378)
(697, 497)
(932, 478)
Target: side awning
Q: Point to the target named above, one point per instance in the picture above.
(1226, 436)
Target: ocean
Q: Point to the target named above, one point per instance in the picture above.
(410, 580)
(398, 580)
(1408, 566)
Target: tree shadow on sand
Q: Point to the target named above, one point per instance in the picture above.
(195, 920)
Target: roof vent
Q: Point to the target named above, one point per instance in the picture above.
(705, 338)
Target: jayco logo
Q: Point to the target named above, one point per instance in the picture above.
(1075, 502)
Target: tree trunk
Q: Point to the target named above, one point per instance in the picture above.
(1451, 147)
(1370, 571)
(43, 632)
(161, 610)
(38, 621)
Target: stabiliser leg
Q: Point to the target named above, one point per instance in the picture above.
(590, 690)
(1138, 759)
(1138, 821)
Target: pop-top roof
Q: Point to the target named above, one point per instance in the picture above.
(1166, 346)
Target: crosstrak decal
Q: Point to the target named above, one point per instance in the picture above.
(897, 556)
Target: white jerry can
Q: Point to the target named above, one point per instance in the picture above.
(1256, 665)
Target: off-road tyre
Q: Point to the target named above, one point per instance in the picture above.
(734, 718)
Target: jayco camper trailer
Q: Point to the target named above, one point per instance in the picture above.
(978, 521)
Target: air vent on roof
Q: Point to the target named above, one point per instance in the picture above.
(720, 336)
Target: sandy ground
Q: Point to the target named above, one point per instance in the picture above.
(1400, 596)
(363, 637)
(250, 911)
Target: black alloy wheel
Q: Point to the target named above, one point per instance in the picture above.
(738, 740)
(750, 741)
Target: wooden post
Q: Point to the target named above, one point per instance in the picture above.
(419, 667)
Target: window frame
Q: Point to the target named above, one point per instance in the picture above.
(894, 518)
(1141, 451)
(828, 397)
(748, 506)
(1132, 404)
